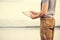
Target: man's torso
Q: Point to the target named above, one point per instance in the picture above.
(51, 7)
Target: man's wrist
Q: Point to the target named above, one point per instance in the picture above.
(42, 14)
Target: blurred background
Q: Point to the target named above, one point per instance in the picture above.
(11, 12)
(16, 26)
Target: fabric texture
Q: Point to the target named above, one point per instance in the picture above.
(47, 28)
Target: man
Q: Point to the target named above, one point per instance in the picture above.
(46, 17)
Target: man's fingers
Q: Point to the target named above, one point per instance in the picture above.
(33, 16)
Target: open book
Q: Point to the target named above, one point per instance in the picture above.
(27, 13)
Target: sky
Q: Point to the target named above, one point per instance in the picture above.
(11, 12)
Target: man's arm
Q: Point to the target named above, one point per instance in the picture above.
(44, 10)
(40, 14)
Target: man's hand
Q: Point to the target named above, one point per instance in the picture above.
(34, 14)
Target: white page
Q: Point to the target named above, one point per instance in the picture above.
(27, 13)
